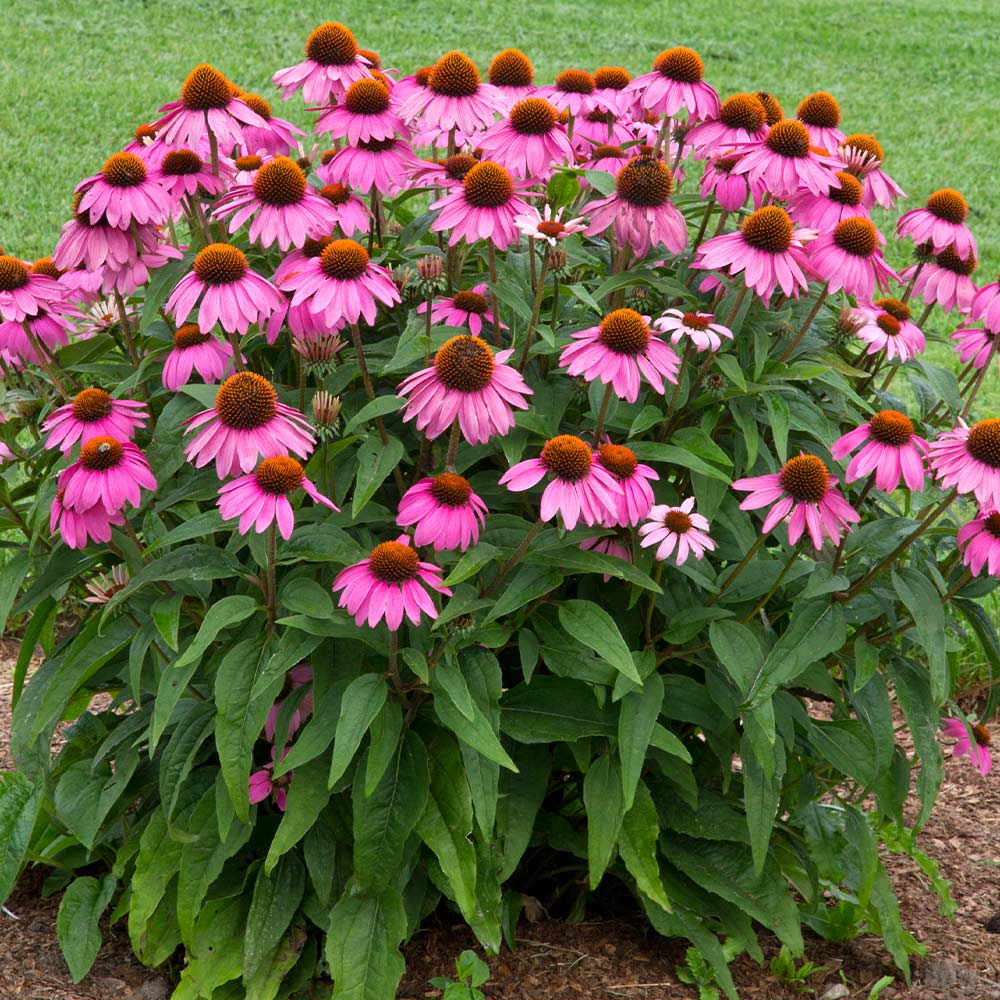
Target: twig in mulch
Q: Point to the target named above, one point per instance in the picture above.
(9, 913)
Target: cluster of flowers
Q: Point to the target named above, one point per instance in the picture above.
(219, 159)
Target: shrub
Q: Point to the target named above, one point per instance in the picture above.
(406, 534)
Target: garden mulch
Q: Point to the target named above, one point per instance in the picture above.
(613, 958)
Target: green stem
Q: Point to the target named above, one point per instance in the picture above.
(599, 429)
(517, 556)
(536, 308)
(839, 554)
(777, 583)
(958, 585)
(493, 295)
(913, 281)
(741, 295)
(744, 562)
(820, 299)
(453, 441)
(127, 329)
(272, 589)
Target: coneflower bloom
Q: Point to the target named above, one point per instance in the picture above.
(824, 211)
(513, 75)
(633, 477)
(446, 512)
(977, 748)
(609, 545)
(144, 144)
(772, 106)
(207, 106)
(275, 137)
(581, 488)
(231, 293)
(296, 678)
(383, 164)
(184, 172)
(986, 306)
(640, 208)
(945, 279)
(340, 284)
(766, 249)
(352, 214)
(447, 173)
(973, 343)
(5, 453)
(785, 160)
(93, 413)
(333, 62)
(886, 326)
(391, 582)
(849, 258)
(742, 119)
(467, 308)
(979, 542)
(573, 91)
(283, 205)
(455, 97)
(246, 423)
(365, 114)
(194, 351)
(677, 531)
(93, 245)
(611, 90)
(941, 222)
(102, 588)
(125, 191)
(729, 190)
(862, 155)
(483, 208)
(820, 113)
(108, 472)
(599, 128)
(467, 382)
(620, 350)
(548, 225)
(154, 252)
(260, 499)
(611, 159)
(25, 293)
(79, 527)
(698, 327)
(245, 167)
(530, 142)
(892, 450)
(806, 495)
(676, 82)
(262, 784)
(968, 459)
(50, 329)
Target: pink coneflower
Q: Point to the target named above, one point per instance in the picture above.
(125, 191)
(974, 344)
(730, 190)
(341, 283)
(892, 450)
(609, 545)
(275, 137)
(766, 249)
(640, 208)
(548, 225)
(207, 106)
(389, 584)
(260, 499)
(154, 252)
(633, 477)
(530, 142)
(447, 514)
(977, 748)
(383, 164)
(465, 381)
(296, 678)
(93, 413)
(454, 98)
(968, 459)
(849, 258)
(184, 172)
(573, 91)
(352, 214)
(985, 306)
(145, 146)
(700, 328)
(263, 784)
(945, 279)
(620, 350)
(93, 245)
(25, 293)
(194, 351)
(676, 82)
(979, 541)
(448, 173)
(886, 326)
(467, 308)
(102, 588)
(283, 205)
(245, 167)
(607, 157)
(108, 472)
(333, 62)
(483, 208)
(820, 113)
(365, 114)
(941, 222)
(785, 160)
(806, 495)
(599, 128)
(611, 91)
(78, 527)
(742, 119)
(824, 211)
(678, 531)
(246, 423)
(862, 155)
(512, 74)
(231, 293)
(51, 329)
(581, 488)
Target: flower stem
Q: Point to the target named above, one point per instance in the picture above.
(741, 295)
(661, 136)
(677, 391)
(958, 585)
(744, 562)
(709, 208)
(517, 556)
(234, 340)
(127, 329)
(839, 554)
(272, 590)
(657, 574)
(925, 315)
(393, 670)
(599, 429)
(913, 281)
(762, 604)
(213, 146)
(44, 362)
(820, 299)
(535, 310)
(453, 446)
(492, 251)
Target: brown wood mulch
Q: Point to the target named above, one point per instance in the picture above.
(615, 958)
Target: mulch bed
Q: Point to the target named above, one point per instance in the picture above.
(614, 958)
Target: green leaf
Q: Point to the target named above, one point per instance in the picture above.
(275, 901)
(522, 796)
(215, 955)
(527, 584)
(380, 406)
(386, 731)
(308, 795)
(11, 579)
(761, 792)
(923, 601)
(362, 947)
(77, 926)
(19, 802)
(362, 702)
(264, 985)
(605, 804)
(778, 418)
(375, 462)
(637, 844)
(653, 451)
(552, 709)
(166, 614)
(156, 865)
(731, 369)
(738, 651)
(562, 190)
(181, 752)
(639, 712)
(471, 563)
(447, 680)
(595, 628)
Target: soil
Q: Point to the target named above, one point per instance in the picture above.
(614, 958)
